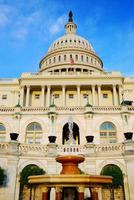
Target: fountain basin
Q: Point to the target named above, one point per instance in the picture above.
(70, 163)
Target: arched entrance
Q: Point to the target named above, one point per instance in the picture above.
(115, 190)
(26, 191)
(65, 133)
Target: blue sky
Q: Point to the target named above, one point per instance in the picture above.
(28, 27)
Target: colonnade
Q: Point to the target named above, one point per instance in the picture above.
(59, 195)
(46, 92)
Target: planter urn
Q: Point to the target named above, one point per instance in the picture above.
(14, 136)
(52, 139)
(89, 138)
(128, 135)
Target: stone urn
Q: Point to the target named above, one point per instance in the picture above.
(14, 136)
(52, 139)
(89, 138)
(128, 135)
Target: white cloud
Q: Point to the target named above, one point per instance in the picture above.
(58, 25)
(25, 24)
(4, 15)
(21, 33)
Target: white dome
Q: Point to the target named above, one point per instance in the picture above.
(70, 41)
(71, 49)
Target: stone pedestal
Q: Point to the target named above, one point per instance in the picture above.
(52, 149)
(90, 149)
(129, 147)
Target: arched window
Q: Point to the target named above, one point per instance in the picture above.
(34, 133)
(59, 58)
(108, 133)
(2, 133)
(65, 57)
(76, 57)
(75, 132)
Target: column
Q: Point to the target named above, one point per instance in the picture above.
(78, 95)
(94, 194)
(48, 95)
(58, 193)
(22, 96)
(27, 95)
(120, 93)
(45, 193)
(114, 95)
(80, 193)
(42, 95)
(12, 170)
(99, 95)
(93, 95)
(63, 95)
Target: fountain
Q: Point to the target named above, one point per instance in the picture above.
(70, 184)
(71, 139)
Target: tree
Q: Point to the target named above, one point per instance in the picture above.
(116, 173)
(26, 172)
(29, 171)
(2, 176)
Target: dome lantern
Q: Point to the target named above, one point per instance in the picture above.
(70, 26)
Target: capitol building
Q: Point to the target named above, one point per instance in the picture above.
(71, 86)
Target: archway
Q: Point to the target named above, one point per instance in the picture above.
(25, 188)
(65, 133)
(115, 190)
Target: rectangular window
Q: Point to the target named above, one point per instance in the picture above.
(56, 96)
(71, 96)
(4, 96)
(105, 96)
(85, 96)
(37, 96)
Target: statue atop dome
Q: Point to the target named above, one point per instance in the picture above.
(70, 16)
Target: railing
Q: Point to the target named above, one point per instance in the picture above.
(39, 148)
(106, 108)
(34, 109)
(81, 109)
(4, 146)
(107, 148)
(71, 108)
(71, 149)
(6, 109)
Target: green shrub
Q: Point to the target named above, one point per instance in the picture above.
(2, 176)
(116, 173)
(29, 171)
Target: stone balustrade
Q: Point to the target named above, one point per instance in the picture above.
(95, 109)
(71, 149)
(4, 146)
(33, 148)
(40, 149)
(107, 148)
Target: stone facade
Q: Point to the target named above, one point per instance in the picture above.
(71, 82)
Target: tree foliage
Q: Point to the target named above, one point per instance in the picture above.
(2, 176)
(29, 171)
(116, 173)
